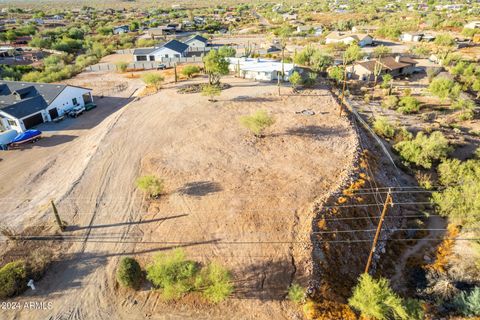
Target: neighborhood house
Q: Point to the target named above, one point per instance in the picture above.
(348, 38)
(260, 69)
(395, 66)
(171, 49)
(26, 104)
(197, 42)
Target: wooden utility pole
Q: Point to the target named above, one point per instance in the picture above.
(57, 216)
(176, 77)
(278, 83)
(388, 201)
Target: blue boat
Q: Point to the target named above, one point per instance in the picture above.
(27, 136)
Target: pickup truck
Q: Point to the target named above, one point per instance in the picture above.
(76, 111)
(162, 66)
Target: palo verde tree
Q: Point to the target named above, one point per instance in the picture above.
(376, 300)
(153, 79)
(295, 80)
(350, 55)
(257, 122)
(215, 66)
(283, 33)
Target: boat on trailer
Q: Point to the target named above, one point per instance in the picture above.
(26, 137)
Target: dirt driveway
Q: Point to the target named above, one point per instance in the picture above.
(241, 201)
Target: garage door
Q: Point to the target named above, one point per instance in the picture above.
(33, 120)
(53, 113)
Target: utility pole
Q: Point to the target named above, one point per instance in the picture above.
(278, 83)
(388, 201)
(57, 216)
(176, 77)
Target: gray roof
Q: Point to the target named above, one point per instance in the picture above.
(20, 99)
(174, 45)
(197, 37)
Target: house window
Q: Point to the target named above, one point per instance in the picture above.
(11, 122)
(141, 58)
(74, 100)
(166, 56)
(152, 58)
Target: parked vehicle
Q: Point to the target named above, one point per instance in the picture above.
(25, 137)
(90, 106)
(162, 66)
(76, 111)
(6, 138)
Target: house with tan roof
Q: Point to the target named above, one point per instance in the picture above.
(362, 39)
(395, 66)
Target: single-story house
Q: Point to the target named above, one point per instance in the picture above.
(395, 66)
(411, 36)
(260, 69)
(473, 25)
(348, 38)
(309, 29)
(164, 30)
(27, 104)
(365, 29)
(171, 49)
(196, 41)
(121, 29)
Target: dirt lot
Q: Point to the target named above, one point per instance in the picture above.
(241, 201)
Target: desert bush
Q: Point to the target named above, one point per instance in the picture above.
(129, 273)
(296, 293)
(444, 88)
(390, 102)
(190, 71)
(211, 91)
(386, 81)
(295, 80)
(173, 273)
(422, 150)
(468, 304)
(215, 281)
(227, 51)
(459, 200)
(384, 128)
(408, 104)
(376, 300)
(122, 66)
(150, 184)
(257, 122)
(13, 278)
(327, 310)
(153, 79)
(402, 134)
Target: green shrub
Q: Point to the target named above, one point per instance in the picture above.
(129, 273)
(122, 66)
(153, 79)
(468, 304)
(173, 273)
(376, 300)
(459, 200)
(215, 282)
(408, 105)
(382, 127)
(13, 278)
(152, 185)
(390, 102)
(296, 293)
(444, 88)
(190, 71)
(257, 122)
(422, 150)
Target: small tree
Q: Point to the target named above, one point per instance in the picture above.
(153, 79)
(257, 122)
(173, 273)
(215, 66)
(150, 184)
(13, 279)
(211, 91)
(227, 51)
(376, 300)
(408, 104)
(444, 88)
(122, 66)
(215, 281)
(190, 71)
(295, 80)
(336, 73)
(387, 81)
(424, 150)
(129, 273)
(383, 127)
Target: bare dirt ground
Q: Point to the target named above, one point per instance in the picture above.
(244, 202)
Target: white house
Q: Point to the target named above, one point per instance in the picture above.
(473, 25)
(348, 37)
(121, 29)
(27, 104)
(411, 36)
(171, 49)
(260, 69)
